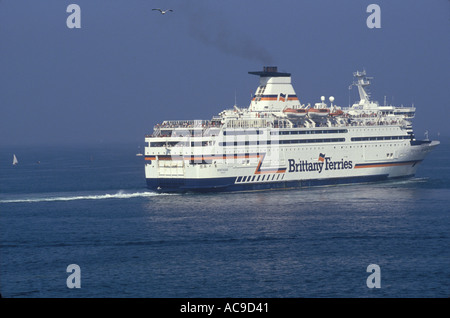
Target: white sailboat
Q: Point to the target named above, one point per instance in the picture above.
(15, 161)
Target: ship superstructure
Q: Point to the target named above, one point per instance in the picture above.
(278, 142)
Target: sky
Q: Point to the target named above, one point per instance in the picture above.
(128, 67)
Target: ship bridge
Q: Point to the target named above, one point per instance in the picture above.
(275, 91)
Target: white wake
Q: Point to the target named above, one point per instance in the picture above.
(56, 197)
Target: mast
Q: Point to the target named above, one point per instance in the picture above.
(361, 82)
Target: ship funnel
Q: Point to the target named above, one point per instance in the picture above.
(275, 91)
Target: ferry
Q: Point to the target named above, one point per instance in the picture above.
(279, 143)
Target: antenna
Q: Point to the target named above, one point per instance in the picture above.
(349, 89)
(235, 97)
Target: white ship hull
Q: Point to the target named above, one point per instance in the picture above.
(295, 166)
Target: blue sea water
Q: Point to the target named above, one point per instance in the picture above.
(88, 205)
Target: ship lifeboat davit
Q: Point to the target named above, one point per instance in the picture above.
(295, 113)
(318, 112)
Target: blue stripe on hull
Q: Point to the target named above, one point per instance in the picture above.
(227, 184)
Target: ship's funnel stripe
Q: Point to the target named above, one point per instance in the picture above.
(282, 97)
(269, 97)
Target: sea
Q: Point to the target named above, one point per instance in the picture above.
(79, 222)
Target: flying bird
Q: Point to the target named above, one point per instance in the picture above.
(163, 11)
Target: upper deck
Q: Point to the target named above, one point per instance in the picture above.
(275, 105)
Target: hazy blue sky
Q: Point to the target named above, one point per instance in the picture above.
(129, 67)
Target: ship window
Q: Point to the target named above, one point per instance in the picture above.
(239, 179)
(263, 178)
(378, 138)
(258, 178)
(243, 179)
(253, 179)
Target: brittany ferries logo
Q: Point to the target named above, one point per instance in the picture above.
(323, 163)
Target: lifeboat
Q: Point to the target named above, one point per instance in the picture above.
(295, 113)
(318, 112)
(337, 113)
